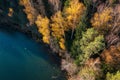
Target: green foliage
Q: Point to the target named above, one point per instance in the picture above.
(75, 50)
(107, 68)
(90, 43)
(81, 27)
(87, 2)
(66, 3)
(78, 35)
(87, 73)
(69, 26)
(110, 76)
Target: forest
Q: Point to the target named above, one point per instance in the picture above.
(84, 33)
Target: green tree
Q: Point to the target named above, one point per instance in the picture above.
(111, 76)
(78, 35)
(90, 43)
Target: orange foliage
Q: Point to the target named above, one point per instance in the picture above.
(111, 56)
(43, 27)
(101, 19)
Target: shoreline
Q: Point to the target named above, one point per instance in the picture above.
(34, 36)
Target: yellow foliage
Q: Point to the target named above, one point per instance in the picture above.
(62, 44)
(29, 10)
(57, 25)
(43, 27)
(46, 39)
(10, 13)
(101, 19)
(73, 13)
(58, 28)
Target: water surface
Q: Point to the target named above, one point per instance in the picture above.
(21, 58)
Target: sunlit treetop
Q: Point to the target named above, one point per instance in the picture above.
(58, 28)
(10, 13)
(57, 25)
(43, 27)
(73, 12)
(62, 44)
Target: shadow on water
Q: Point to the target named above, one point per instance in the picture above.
(21, 58)
(12, 31)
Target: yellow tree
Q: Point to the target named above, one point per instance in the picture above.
(29, 10)
(10, 13)
(73, 13)
(43, 27)
(101, 19)
(62, 43)
(57, 27)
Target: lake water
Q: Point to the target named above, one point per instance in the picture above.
(22, 58)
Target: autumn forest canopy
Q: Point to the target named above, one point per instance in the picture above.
(84, 32)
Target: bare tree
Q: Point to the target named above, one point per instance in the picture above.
(116, 20)
(39, 6)
(55, 5)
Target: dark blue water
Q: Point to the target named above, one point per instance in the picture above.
(22, 58)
